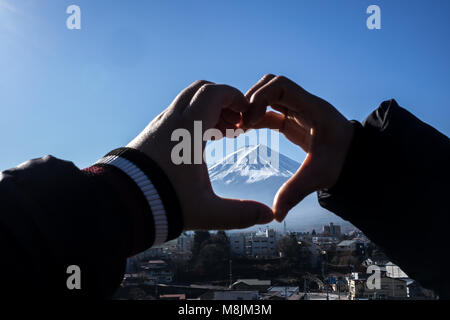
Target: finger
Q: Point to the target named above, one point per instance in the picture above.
(246, 125)
(280, 92)
(231, 116)
(259, 84)
(271, 120)
(209, 101)
(227, 121)
(294, 190)
(279, 108)
(223, 126)
(291, 128)
(245, 116)
(239, 214)
(185, 96)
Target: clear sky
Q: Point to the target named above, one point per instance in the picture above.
(77, 94)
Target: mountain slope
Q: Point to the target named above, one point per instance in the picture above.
(252, 164)
(249, 173)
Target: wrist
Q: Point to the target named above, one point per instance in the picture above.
(342, 144)
(346, 136)
(155, 191)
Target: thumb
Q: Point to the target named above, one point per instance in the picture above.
(294, 190)
(240, 214)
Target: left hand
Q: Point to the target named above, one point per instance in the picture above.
(217, 106)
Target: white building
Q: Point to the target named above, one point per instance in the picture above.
(259, 244)
(394, 271)
(323, 239)
(262, 244)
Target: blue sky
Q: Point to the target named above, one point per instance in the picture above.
(77, 94)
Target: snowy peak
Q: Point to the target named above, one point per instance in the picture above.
(252, 164)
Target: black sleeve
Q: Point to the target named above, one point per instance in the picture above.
(54, 215)
(394, 188)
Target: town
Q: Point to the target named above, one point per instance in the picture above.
(268, 265)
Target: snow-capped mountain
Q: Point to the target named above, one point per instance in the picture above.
(256, 173)
(252, 164)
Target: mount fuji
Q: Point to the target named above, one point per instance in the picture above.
(256, 173)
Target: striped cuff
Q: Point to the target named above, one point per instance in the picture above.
(161, 200)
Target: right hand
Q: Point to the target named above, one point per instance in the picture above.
(308, 121)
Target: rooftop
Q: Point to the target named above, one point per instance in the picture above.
(346, 243)
(254, 282)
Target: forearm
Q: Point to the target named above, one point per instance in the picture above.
(56, 215)
(393, 187)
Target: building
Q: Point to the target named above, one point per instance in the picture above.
(162, 251)
(303, 236)
(414, 290)
(179, 296)
(281, 293)
(261, 244)
(332, 230)
(136, 279)
(251, 285)
(351, 246)
(237, 244)
(390, 288)
(394, 271)
(184, 247)
(230, 295)
(158, 271)
(321, 239)
(184, 242)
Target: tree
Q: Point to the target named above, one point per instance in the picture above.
(221, 236)
(313, 233)
(199, 238)
(289, 248)
(213, 256)
(221, 239)
(212, 260)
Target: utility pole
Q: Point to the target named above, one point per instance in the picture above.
(231, 272)
(339, 290)
(305, 288)
(327, 289)
(230, 262)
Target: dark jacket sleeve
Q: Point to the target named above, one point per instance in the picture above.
(54, 215)
(394, 188)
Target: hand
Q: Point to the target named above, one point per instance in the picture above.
(217, 106)
(308, 121)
